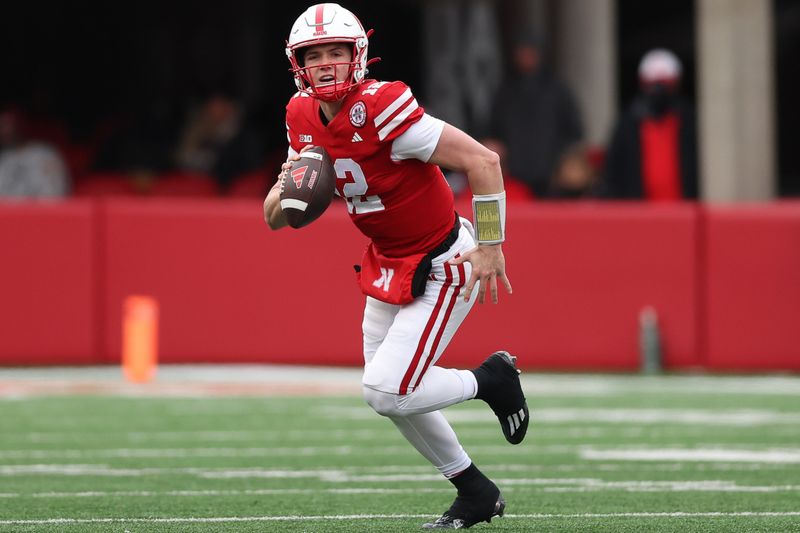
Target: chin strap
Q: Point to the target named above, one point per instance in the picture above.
(489, 214)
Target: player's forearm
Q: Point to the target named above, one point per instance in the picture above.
(488, 201)
(273, 214)
(484, 174)
(458, 151)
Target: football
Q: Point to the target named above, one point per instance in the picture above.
(308, 188)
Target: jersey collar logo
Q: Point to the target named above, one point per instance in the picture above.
(358, 114)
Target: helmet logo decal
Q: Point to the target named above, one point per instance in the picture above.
(358, 114)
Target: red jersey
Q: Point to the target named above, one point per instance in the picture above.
(405, 206)
(661, 161)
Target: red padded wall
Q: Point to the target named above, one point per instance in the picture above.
(724, 281)
(753, 287)
(581, 274)
(47, 290)
(230, 289)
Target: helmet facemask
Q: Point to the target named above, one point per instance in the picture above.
(327, 24)
(338, 88)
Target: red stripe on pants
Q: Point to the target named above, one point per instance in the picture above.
(450, 305)
(426, 334)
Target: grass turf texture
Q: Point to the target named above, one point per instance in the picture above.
(327, 464)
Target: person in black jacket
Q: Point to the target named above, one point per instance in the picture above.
(536, 118)
(653, 151)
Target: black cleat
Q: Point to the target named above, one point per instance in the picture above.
(466, 512)
(499, 386)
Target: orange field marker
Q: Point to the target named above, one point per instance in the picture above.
(139, 338)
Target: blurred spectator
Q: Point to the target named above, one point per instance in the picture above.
(138, 143)
(535, 116)
(574, 176)
(28, 168)
(41, 122)
(653, 151)
(516, 190)
(218, 141)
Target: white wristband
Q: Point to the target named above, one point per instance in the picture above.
(489, 215)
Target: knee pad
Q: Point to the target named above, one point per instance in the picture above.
(384, 403)
(380, 377)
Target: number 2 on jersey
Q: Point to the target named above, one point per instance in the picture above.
(355, 192)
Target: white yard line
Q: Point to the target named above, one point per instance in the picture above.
(206, 435)
(337, 472)
(211, 492)
(19, 391)
(556, 431)
(360, 517)
(248, 380)
(741, 417)
(330, 473)
(161, 453)
(608, 415)
(210, 435)
(728, 455)
(690, 417)
(567, 485)
(669, 486)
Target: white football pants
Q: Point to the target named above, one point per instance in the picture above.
(402, 344)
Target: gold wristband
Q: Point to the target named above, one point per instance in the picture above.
(489, 214)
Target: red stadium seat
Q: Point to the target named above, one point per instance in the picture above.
(597, 157)
(254, 184)
(100, 185)
(517, 191)
(183, 184)
(78, 159)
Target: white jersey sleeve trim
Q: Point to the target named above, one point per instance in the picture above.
(394, 106)
(290, 152)
(419, 140)
(396, 121)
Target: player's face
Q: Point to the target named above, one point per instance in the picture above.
(328, 63)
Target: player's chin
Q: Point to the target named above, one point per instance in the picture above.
(325, 88)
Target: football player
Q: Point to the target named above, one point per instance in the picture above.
(425, 266)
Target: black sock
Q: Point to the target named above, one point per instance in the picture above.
(482, 377)
(470, 481)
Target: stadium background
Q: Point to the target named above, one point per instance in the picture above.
(722, 276)
(220, 441)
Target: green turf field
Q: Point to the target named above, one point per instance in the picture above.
(604, 453)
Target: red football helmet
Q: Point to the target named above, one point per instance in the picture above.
(323, 24)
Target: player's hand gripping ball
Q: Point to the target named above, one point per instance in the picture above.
(308, 187)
